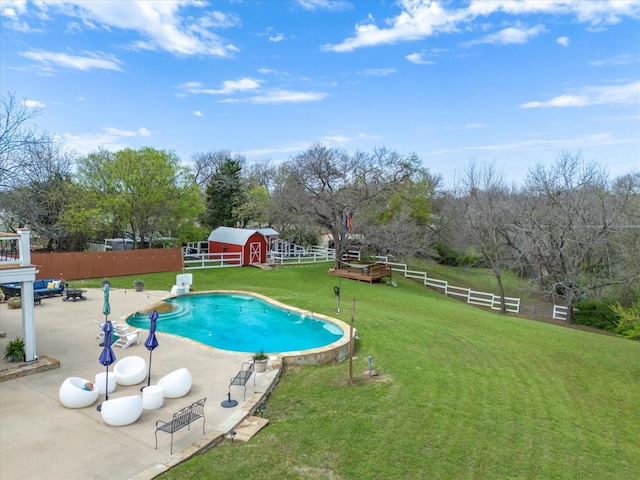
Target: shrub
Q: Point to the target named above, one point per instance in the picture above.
(596, 314)
(628, 324)
(14, 350)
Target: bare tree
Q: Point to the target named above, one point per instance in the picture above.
(40, 195)
(17, 136)
(328, 186)
(485, 220)
(569, 218)
(205, 165)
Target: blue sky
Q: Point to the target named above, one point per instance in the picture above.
(510, 82)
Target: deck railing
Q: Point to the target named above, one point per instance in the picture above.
(15, 248)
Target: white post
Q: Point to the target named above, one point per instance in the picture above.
(28, 318)
(28, 322)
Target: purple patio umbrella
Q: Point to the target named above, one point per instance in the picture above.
(152, 342)
(107, 357)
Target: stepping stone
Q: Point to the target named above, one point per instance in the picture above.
(250, 427)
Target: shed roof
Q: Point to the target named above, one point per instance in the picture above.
(268, 232)
(233, 236)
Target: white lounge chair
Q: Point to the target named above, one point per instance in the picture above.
(118, 329)
(183, 284)
(126, 339)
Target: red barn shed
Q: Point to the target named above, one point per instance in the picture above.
(251, 243)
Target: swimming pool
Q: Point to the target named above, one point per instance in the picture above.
(246, 322)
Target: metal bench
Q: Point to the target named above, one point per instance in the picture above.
(182, 418)
(241, 379)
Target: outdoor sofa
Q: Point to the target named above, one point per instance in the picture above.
(45, 287)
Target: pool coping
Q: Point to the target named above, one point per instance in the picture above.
(336, 351)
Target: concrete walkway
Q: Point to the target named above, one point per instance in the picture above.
(39, 438)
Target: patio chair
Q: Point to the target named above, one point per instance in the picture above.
(130, 370)
(176, 384)
(76, 392)
(119, 330)
(126, 339)
(122, 411)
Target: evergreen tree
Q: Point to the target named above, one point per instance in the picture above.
(223, 195)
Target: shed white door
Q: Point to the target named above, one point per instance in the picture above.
(255, 248)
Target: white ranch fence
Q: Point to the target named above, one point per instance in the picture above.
(212, 260)
(559, 312)
(474, 297)
(316, 254)
(311, 255)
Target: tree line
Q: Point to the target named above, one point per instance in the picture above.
(570, 228)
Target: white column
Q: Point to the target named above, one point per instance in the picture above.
(25, 247)
(28, 318)
(28, 322)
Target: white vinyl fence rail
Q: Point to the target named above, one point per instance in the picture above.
(474, 297)
(317, 254)
(559, 312)
(312, 255)
(212, 260)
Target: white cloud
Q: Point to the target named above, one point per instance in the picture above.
(159, 25)
(12, 9)
(605, 139)
(625, 59)
(418, 58)
(227, 87)
(593, 95)
(49, 61)
(279, 96)
(419, 19)
(276, 38)
(379, 72)
(287, 96)
(33, 104)
(510, 35)
(198, 113)
(330, 5)
(116, 132)
(110, 138)
(564, 41)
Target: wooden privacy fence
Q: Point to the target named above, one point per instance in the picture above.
(81, 265)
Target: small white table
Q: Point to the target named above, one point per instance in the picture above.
(152, 397)
(101, 379)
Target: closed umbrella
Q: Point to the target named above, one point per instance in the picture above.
(107, 357)
(106, 308)
(152, 342)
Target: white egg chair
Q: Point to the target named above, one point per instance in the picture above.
(130, 370)
(76, 392)
(176, 384)
(121, 411)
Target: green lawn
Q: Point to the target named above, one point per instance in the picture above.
(462, 393)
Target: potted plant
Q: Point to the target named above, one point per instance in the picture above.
(260, 361)
(14, 302)
(138, 284)
(14, 350)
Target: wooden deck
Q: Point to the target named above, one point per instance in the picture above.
(368, 273)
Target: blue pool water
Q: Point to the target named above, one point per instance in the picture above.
(241, 323)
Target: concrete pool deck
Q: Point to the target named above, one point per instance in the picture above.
(40, 438)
